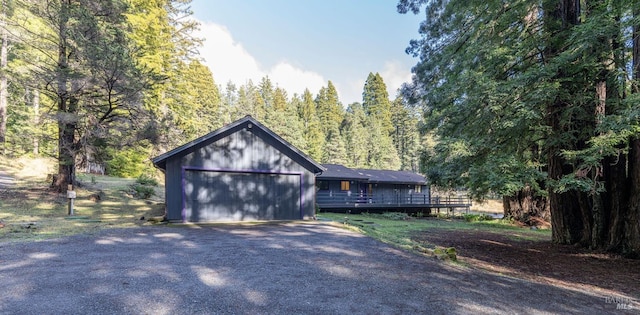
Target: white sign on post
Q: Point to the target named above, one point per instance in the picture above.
(71, 194)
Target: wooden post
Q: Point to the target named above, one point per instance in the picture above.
(71, 194)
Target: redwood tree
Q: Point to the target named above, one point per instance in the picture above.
(534, 97)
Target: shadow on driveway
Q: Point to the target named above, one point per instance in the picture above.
(303, 268)
(6, 180)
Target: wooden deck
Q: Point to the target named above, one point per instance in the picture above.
(341, 202)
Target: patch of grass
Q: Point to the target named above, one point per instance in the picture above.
(28, 171)
(30, 201)
(398, 229)
(102, 182)
(476, 217)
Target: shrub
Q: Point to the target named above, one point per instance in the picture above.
(142, 191)
(146, 180)
(131, 162)
(477, 217)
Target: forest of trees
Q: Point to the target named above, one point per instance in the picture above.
(537, 101)
(115, 82)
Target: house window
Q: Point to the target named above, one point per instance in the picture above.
(323, 185)
(344, 185)
(418, 189)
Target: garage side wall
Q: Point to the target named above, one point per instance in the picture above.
(173, 190)
(262, 165)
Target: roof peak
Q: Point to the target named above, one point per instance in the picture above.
(160, 160)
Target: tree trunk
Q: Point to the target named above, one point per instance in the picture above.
(599, 210)
(66, 115)
(526, 207)
(565, 207)
(36, 121)
(615, 167)
(4, 38)
(631, 245)
(616, 199)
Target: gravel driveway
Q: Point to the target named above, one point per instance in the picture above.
(287, 268)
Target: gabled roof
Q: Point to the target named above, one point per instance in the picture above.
(247, 122)
(392, 177)
(338, 172)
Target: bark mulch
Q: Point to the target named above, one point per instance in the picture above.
(536, 258)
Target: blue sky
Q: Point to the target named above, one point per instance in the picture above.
(303, 44)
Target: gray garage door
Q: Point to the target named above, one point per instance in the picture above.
(230, 196)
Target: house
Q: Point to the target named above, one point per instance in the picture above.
(240, 172)
(339, 187)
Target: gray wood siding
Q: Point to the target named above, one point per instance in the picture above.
(238, 151)
(173, 190)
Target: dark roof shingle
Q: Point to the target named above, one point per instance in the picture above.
(339, 172)
(392, 177)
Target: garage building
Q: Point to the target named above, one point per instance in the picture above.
(240, 172)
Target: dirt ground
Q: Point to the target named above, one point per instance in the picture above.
(538, 259)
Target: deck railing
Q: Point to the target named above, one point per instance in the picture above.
(333, 198)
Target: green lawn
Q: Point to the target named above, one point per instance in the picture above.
(397, 229)
(29, 210)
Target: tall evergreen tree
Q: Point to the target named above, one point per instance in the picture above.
(405, 135)
(25, 130)
(266, 90)
(5, 10)
(90, 73)
(357, 136)
(329, 108)
(165, 48)
(330, 115)
(381, 152)
(250, 102)
(376, 104)
(335, 148)
(198, 98)
(312, 130)
(229, 102)
(531, 97)
(283, 119)
(375, 101)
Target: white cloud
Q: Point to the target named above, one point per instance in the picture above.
(394, 75)
(228, 60)
(296, 80)
(351, 91)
